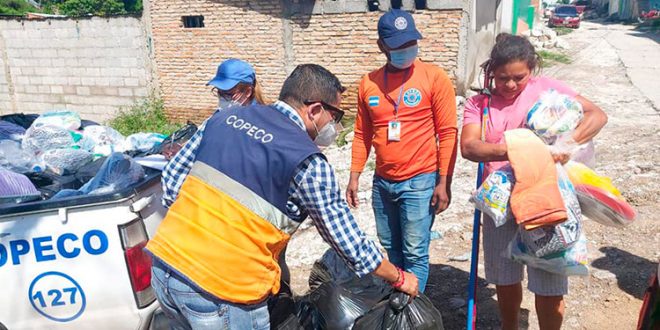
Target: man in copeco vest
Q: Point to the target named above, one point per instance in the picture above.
(402, 107)
(238, 190)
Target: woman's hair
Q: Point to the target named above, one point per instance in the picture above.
(511, 48)
(258, 93)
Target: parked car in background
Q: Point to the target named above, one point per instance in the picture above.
(567, 16)
(582, 5)
(549, 9)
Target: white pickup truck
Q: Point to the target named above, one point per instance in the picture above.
(79, 263)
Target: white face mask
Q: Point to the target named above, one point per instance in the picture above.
(224, 104)
(328, 134)
(403, 58)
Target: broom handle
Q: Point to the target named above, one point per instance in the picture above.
(476, 230)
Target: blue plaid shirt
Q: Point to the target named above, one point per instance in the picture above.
(314, 190)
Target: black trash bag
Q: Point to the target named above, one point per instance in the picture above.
(89, 170)
(331, 268)
(400, 312)
(20, 119)
(282, 310)
(338, 297)
(333, 307)
(49, 183)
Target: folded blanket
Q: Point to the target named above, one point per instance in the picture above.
(535, 199)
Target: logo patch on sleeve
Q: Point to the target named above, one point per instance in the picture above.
(374, 101)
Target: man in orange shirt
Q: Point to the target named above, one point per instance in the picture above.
(407, 111)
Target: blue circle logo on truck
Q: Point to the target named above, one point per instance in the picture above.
(57, 296)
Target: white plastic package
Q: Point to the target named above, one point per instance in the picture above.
(571, 262)
(66, 161)
(39, 139)
(492, 197)
(15, 159)
(553, 115)
(102, 140)
(65, 119)
(143, 141)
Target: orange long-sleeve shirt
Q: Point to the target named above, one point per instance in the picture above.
(427, 108)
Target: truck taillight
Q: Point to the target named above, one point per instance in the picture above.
(134, 239)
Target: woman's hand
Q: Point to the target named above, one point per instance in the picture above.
(472, 148)
(593, 121)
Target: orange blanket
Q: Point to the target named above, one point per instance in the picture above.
(535, 199)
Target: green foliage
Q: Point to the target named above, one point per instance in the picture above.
(145, 116)
(91, 7)
(72, 7)
(562, 30)
(552, 58)
(348, 123)
(16, 7)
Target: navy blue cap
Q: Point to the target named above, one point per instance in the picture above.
(231, 72)
(397, 27)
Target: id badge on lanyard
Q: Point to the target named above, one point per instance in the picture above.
(394, 126)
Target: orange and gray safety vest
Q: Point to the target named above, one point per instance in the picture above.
(229, 223)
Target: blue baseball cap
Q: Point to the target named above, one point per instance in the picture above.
(231, 72)
(397, 27)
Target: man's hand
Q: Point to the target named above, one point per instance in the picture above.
(441, 195)
(410, 285)
(352, 190)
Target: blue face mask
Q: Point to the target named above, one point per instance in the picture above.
(403, 58)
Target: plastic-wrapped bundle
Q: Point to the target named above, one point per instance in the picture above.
(66, 161)
(43, 138)
(13, 158)
(11, 131)
(400, 312)
(332, 306)
(143, 141)
(599, 199)
(65, 119)
(547, 240)
(553, 115)
(571, 262)
(492, 197)
(118, 172)
(102, 140)
(16, 188)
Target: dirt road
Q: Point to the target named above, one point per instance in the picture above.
(610, 66)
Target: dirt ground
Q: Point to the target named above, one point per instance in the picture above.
(621, 260)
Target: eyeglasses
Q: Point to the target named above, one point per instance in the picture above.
(220, 93)
(336, 113)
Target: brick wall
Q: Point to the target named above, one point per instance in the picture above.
(92, 66)
(346, 44)
(274, 42)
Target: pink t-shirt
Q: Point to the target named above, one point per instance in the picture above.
(505, 115)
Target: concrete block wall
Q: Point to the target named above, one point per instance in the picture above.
(93, 66)
(275, 36)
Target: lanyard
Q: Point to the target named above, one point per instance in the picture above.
(387, 95)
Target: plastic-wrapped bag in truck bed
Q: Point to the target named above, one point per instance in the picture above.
(400, 312)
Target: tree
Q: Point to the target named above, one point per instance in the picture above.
(91, 7)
